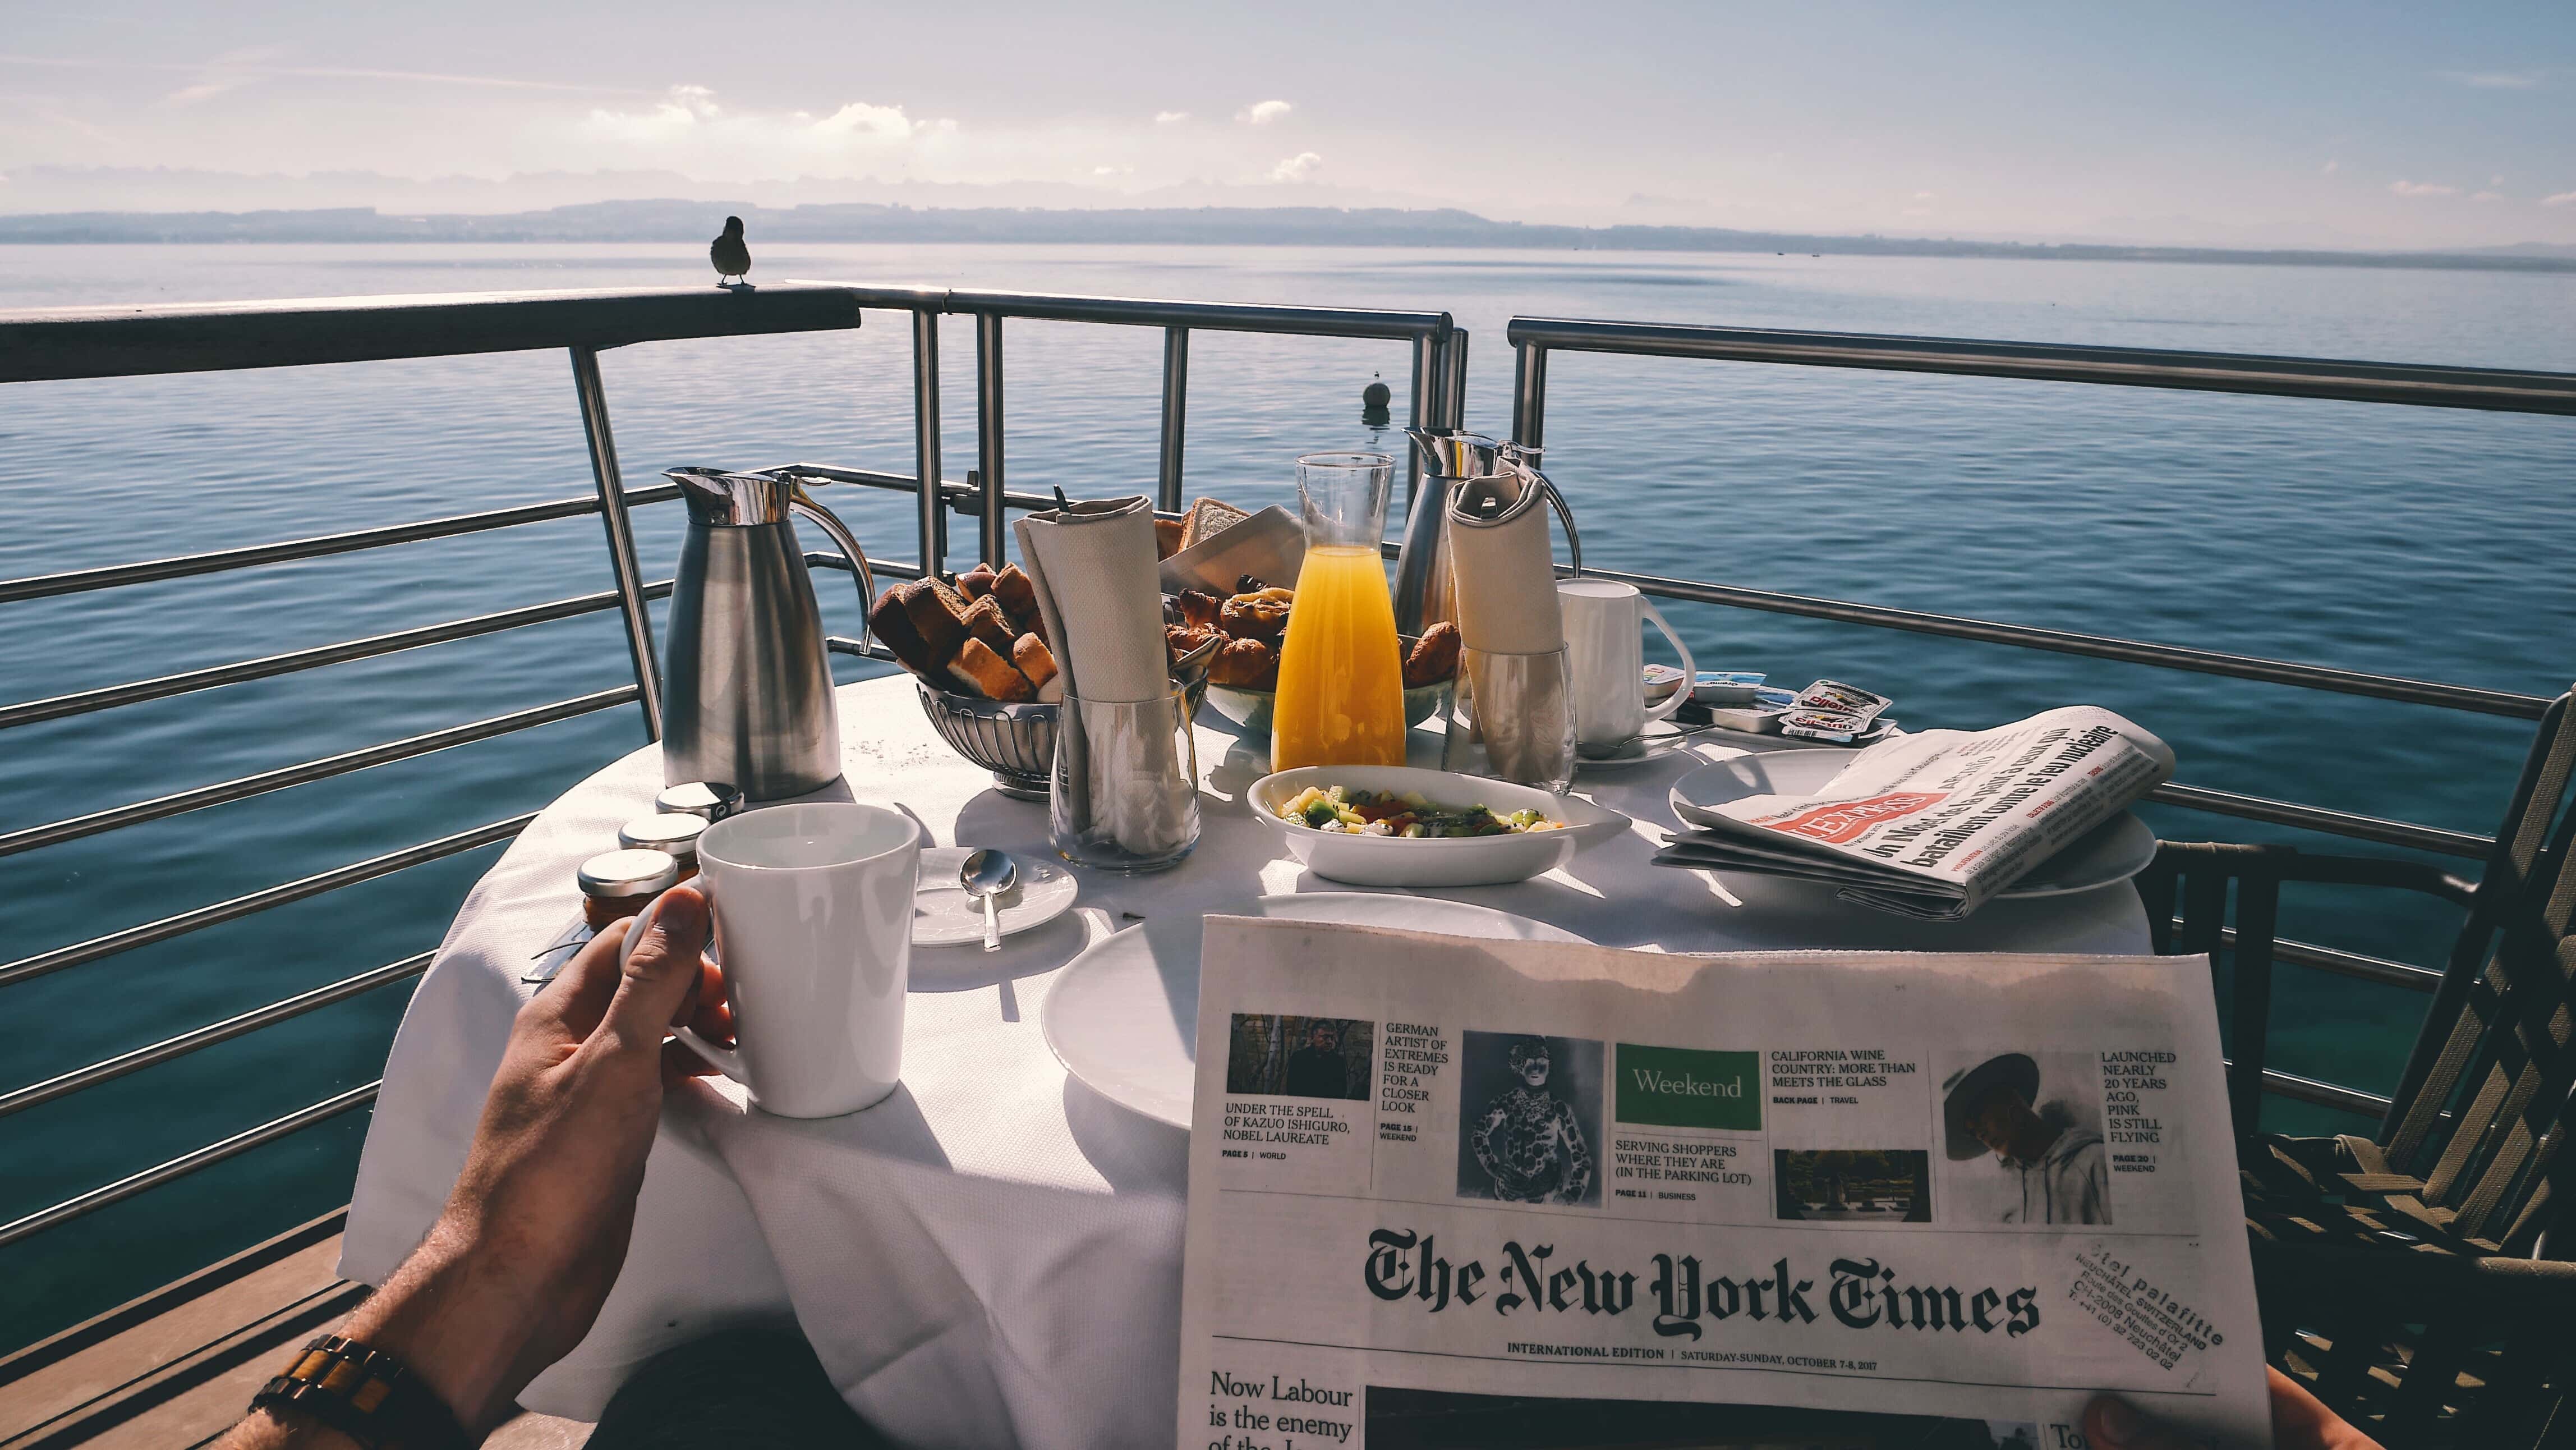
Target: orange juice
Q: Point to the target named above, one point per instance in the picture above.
(1341, 681)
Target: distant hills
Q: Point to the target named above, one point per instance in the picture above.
(695, 221)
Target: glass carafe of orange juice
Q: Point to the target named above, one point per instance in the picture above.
(1341, 677)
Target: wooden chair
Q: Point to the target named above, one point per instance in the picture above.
(2416, 1279)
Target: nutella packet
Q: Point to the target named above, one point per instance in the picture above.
(1839, 726)
(1835, 698)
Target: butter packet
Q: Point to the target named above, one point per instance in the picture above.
(1839, 726)
(1834, 697)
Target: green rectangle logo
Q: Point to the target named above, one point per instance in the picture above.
(1681, 1087)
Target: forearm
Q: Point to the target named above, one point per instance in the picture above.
(283, 1430)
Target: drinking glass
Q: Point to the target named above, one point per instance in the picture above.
(1341, 678)
(1125, 793)
(1511, 718)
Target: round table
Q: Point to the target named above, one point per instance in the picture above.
(991, 1256)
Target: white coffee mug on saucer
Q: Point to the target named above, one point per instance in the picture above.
(813, 921)
(1605, 657)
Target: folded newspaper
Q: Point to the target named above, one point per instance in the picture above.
(1934, 825)
(1447, 1191)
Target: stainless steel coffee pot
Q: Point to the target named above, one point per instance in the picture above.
(1495, 482)
(747, 689)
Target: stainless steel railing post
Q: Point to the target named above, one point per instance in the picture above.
(1176, 408)
(1453, 415)
(925, 441)
(1424, 409)
(621, 536)
(1529, 394)
(990, 532)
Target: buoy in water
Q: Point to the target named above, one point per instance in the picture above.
(1376, 395)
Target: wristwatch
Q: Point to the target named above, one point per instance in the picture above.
(366, 1394)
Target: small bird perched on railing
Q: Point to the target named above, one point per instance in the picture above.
(731, 257)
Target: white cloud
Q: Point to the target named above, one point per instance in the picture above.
(2488, 196)
(858, 118)
(2422, 188)
(2564, 198)
(689, 117)
(1297, 168)
(1113, 171)
(2495, 80)
(2331, 168)
(1922, 196)
(1262, 113)
(1170, 118)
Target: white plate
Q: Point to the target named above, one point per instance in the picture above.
(1123, 1017)
(2115, 850)
(1467, 861)
(944, 915)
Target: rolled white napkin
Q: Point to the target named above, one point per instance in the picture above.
(1094, 570)
(1505, 578)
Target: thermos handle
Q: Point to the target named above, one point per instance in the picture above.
(1565, 516)
(799, 501)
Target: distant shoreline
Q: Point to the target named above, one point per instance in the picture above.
(694, 222)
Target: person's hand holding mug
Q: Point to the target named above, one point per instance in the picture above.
(515, 1269)
(2299, 1422)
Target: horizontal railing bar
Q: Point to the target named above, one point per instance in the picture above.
(185, 566)
(109, 696)
(964, 497)
(2317, 818)
(1159, 312)
(13, 842)
(888, 568)
(842, 644)
(99, 342)
(2504, 390)
(186, 1163)
(2163, 656)
(2323, 1094)
(168, 1048)
(2343, 963)
(82, 953)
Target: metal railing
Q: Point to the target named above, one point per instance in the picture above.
(2483, 389)
(114, 342)
(109, 342)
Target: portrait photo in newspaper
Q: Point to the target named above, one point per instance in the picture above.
(2022, 1133)
(1529, 1119)
(1271, 1055)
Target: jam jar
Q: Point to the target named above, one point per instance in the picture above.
(673, 836)
(617, 884)
(711, 800)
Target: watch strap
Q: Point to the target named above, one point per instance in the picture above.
(366, 1394)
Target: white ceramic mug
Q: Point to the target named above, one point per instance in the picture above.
(1605, 655)
(813, 913)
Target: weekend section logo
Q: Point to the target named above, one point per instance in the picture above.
(1682, 1087)
(1843, 821)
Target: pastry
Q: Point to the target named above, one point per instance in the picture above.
(977, 582)
(985, 621)
(1181, 639)
(988, 674)
(1199, 609)
(921, 630)
(1167, 538)
(1245, 664)
(1434, 656)
(1033, 659)
(1256, 616)
(1019, 597)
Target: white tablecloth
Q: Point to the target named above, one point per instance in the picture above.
(991, 1257)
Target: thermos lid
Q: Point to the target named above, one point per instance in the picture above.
(674, 835)
(711, 800)
(628, 873)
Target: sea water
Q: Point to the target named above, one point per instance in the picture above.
(2409, 541)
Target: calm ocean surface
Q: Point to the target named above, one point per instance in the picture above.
(2410, 541)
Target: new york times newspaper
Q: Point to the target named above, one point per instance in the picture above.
(1447, 1191)
(1933, 825)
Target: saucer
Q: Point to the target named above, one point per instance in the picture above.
(944, 915)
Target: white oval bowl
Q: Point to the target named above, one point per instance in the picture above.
(1462, 861)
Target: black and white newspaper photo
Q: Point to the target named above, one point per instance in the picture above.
(1817, 1198)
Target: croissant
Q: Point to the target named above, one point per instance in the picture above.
(1434, 657)
(1256, 616)
(1245, 664)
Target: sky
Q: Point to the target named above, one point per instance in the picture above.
(2286, 124)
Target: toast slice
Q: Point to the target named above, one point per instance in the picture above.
(1206, 519)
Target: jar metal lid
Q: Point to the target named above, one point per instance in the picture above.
(674, 835)
(627, 873)
(711, 800)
